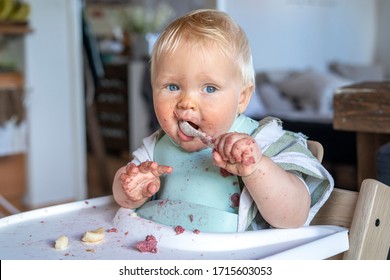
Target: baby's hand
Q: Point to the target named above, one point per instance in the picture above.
(141, 182)
(237, 153)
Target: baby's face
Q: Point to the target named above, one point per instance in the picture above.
(198, 85)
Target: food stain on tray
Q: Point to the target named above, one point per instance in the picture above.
(148, 245)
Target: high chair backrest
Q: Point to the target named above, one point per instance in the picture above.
(316, 149)
(365, 213)
(370, 228)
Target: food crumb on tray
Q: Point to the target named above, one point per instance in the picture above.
(113, 230)
(147, 245)
(179, 229)
(94, 235)
(61, 243)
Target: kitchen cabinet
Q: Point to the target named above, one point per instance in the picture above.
(112, 105)
(14, 28)
(123, 116)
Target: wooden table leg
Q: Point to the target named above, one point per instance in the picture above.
(367, 147)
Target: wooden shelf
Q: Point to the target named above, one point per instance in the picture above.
(14, 28)
(11, 80)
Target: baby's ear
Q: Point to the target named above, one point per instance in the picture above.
(245, 97)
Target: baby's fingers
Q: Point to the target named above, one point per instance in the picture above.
(131, 168)
(244, 151)
(151, 189)
(155, 169)
(218, 160)
(160, 170)
(147, 166)
(163, 169)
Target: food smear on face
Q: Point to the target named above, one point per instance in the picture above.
(149, 245)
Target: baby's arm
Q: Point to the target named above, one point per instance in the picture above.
(281, 197)
(134, 184)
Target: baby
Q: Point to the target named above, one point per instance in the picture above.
(210, 167)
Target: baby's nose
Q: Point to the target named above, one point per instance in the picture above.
(186, 102)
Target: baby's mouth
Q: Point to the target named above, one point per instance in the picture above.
(194, 126)
(191, 129)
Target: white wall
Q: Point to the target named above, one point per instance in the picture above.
(55, 106)
(383, 35)
(297, 34)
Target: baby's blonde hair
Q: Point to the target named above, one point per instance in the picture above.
(203, 27)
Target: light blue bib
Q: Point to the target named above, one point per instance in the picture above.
(197, 195)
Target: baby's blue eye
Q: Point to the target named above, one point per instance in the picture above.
(209, 89)
(172, 87)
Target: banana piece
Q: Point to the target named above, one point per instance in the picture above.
(6, 7)
(20, 12)
(61, 242)
(94, 236)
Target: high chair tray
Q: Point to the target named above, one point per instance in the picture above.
(32, 235)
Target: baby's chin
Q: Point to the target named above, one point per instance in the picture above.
(193, 145)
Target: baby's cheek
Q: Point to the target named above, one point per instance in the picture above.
(165, 124)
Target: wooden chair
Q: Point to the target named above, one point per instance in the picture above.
(366, 213)
(316, 149)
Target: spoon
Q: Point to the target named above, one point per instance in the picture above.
(191, 131)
